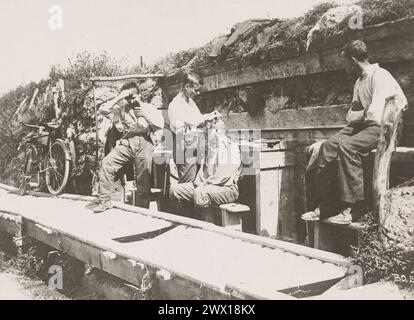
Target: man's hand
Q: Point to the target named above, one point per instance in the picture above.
(217, 115)
(213, 116)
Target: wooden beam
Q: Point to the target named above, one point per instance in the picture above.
(388, 29)
(403, 154)
(31, 104)
(387, 42)
(391, 50)
(128, 77)
(126, 268)
(386, 147)
(271, 243)
(10, 222)
(323, 117)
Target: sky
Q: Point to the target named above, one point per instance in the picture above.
(125, 29)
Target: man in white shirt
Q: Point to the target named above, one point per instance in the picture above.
(185, 117)
(373, 86)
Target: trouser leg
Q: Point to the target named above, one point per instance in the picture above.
(185, 158)
(181, 195)
(350, 172)
(182, 192)
(111, 164)
(328, 151)
(316, 175)
(142, 150)
(188, 171)
(207, 196)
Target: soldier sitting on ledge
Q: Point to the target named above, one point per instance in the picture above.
(373, 86)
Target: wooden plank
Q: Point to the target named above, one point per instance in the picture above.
(273, 160)
(305, 64)
(385, 149)
(10, 222)
(276, 203)
(305, 136)
(130, 269)
(335, 238)
(179, 258)
(290, 119)
(271, 243)
(128, 77)
(403, 154)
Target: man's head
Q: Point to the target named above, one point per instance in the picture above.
(131, 88)
(191, 84)
(354, 54)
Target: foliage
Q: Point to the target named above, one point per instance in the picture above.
(28, 263)
(378, 11)
(290, 35)
(11, 133)
(380, 261)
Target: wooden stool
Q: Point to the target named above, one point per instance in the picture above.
(231, 215)
(335, 238)
(155, 199)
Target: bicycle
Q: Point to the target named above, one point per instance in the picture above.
(45, 154)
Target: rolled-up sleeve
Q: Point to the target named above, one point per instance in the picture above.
(355, 116)
(175, 116)
(180, 114)
(153, 116)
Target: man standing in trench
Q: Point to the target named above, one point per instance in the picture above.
(373, 86)
(185, 118)
(136, 122)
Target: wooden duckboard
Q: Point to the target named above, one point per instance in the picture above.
(191, 260)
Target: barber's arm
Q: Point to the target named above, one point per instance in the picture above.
(201, 121)
(151, 114)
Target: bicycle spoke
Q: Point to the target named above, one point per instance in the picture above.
(57, 167)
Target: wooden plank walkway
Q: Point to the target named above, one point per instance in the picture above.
(189, 259)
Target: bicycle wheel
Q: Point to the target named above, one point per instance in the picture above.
(57, 167)
(29, 160)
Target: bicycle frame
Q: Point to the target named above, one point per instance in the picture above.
(43, 160)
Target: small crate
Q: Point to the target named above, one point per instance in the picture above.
(41, 138)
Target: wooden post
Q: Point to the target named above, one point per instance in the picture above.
(96, 128)
(386, 146)
(19, 110)
(33, 99)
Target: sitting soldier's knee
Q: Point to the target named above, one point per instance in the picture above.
(327, 145)
(344, 147)
(106, 166)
